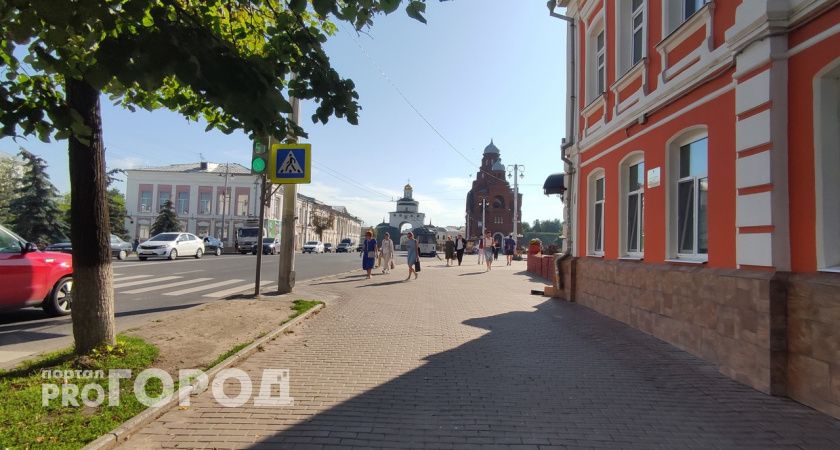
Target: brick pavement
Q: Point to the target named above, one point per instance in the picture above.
(466, 359)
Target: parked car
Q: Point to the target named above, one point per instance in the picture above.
(328, 248)
(344, 247)
(30, 277)
(360, 247)
(213, 245)
(313, 247)
(171, 245)
(120, 249)
(269, 247)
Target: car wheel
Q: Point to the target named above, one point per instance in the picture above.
(122, 255)
(218, 251)
(60, 299)
(142, 258)
(199, 253)
(173, 254)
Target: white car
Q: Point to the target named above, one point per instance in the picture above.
(171, 245)
(313, 247)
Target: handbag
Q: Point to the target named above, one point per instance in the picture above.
(417, 265)
(371, 254)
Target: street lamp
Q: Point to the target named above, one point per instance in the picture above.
(224, 237)
(517, 172)
(483, 218)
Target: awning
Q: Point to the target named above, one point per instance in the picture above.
(554, 184)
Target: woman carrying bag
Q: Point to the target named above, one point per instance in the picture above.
(413, 256)
(369, 253)
(386, 252)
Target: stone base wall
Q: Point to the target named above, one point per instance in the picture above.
(814, 341)
(733, 318)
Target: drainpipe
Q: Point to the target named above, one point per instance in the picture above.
(569, 140)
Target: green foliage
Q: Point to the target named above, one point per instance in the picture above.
(166, 221)
(545, 226)
(322, 220)
(26, 423)
(34, 210)
(228, 63)
(9, 180)
(117, 212)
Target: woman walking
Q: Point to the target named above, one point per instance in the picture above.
(449, 249)
(488, 249)
(413, 249)
(386, 250)
(368, 252)
(480, 244)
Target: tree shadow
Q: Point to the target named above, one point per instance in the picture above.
(558, 375)
(384, 283)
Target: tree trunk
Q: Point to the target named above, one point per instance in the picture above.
(93, 292)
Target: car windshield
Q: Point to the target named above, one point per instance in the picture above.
(165, 237)
(268, 240)
(248, 232)
(312, 243)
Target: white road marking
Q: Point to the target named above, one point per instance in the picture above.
(235, 290)
(135, 283)
(130, 278)
(202, 288)
(166, 286)
(188, 271)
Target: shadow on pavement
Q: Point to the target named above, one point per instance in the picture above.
(384, 283)
(559, 375)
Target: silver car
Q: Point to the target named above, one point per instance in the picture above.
(171, 246)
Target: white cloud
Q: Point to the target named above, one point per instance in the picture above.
(455, 184)
(126, 162)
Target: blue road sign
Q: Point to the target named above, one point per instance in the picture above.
(291, 163)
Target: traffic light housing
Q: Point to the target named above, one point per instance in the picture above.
(259, 157)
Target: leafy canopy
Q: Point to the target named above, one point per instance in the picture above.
(225, 61)
(166, 220)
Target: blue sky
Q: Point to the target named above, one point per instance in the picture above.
(479, 70)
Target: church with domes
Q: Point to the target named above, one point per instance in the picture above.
(490, 185)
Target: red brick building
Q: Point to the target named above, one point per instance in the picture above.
(490, 185)
(703, 202)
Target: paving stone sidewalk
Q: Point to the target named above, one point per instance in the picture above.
(465, 359)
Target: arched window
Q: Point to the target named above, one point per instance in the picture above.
(688, 175)
(597, 196)
(632, 196)
(596, 80)
(499, 202)
(827, 166)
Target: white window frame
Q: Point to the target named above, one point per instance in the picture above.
(182, 207)
(624, 194)
(639, 12)
(675, 13)
(145, 206)
(674, 145)
(593, 52)
(205, 204)
(595, 247)
(626, 30)
(826, 91)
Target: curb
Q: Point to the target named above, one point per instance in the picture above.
(121, 434)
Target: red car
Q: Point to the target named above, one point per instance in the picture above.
(30, 277)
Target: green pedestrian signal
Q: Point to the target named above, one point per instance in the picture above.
(259, 155)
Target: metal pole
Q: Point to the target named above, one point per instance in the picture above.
(260, 232)
(483, 218)
(286, 275)
(515, 197)
(224, 205)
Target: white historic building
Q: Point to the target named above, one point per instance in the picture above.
(214, 199)
(407, 211)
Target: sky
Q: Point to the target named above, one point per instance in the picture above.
(432, 97)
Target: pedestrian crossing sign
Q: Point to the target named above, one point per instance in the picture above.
(291, 163)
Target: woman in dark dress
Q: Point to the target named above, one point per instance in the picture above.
(369, 251)
(449, 250)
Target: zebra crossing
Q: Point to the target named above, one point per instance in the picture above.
(178, 285)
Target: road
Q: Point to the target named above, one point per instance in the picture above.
(146, 289)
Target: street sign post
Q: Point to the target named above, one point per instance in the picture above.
(290, 163)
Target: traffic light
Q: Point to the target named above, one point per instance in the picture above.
(259, 157)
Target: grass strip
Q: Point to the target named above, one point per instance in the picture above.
(26, 421)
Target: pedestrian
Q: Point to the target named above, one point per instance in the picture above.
(488, 249)
(510, 246)
(460, 246)
(496, 245)
(479, 243)
(413, 255)
(369, 252)
(386, 252)
(135, 244)
(449, 250)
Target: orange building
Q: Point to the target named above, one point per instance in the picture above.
(703, 175)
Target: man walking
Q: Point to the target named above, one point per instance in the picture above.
(460, 246)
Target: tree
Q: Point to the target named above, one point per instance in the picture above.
(166, 221)
(537, 228)
(116, 213)
(228, 63)
(34, 210)
(526, 227)
(10, 172)
(322, 220)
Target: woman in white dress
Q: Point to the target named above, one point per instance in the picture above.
(386, 251)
